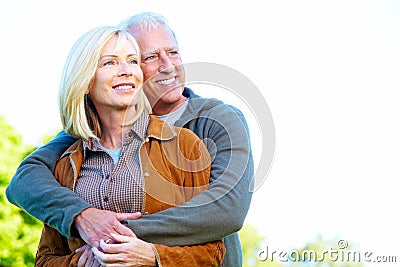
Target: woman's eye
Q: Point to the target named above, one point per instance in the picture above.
(133, 62)
(108, 63)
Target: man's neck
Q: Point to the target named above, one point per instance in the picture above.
(163, 108)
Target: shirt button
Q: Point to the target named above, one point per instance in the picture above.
(146, 174)
(105, 198)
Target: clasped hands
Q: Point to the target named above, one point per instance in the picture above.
(109, 241)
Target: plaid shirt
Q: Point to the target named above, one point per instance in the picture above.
(107, 186)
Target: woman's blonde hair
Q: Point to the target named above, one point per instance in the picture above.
(77, 111)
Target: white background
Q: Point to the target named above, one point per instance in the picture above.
(329, 71)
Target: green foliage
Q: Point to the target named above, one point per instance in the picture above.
(12, 151)
(19, 232)
(47, 137)
(251, 242)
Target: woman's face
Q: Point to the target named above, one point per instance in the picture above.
(118, 77)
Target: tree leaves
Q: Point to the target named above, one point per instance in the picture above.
(19, 232)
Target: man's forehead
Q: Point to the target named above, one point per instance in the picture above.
(158, 50)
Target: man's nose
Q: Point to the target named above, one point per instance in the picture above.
(165, 64)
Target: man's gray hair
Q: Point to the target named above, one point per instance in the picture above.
(145, 20)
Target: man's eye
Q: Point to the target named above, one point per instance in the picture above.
(149, 58)
(173, 53)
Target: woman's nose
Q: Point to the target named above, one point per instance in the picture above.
(125, 70)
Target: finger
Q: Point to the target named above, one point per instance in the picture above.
(128, 216)
(82, 262)
(91, 260)
(122, 238)
(89, 263)
(104, 258)
(83, 259)
(123, 230)
(98, 254)
(104, 246)
(81, 249)
(118, 247)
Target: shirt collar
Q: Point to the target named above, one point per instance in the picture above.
(138, 130)
(157, 129)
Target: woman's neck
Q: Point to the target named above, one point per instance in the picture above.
(114, 126)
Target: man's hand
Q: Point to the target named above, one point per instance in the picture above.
(94, 224)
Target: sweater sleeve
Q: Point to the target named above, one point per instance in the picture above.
(220, 210)
(34, 188)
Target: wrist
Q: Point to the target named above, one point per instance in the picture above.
(77, 223)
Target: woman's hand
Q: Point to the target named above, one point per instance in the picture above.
(87, 259)
(125, 251)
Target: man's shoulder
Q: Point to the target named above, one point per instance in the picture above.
(204, 104)
(213, 106)
(206, 111)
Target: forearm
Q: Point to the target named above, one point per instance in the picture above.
(209, 254)
(34, 188)
(218, 211)
(196, 222)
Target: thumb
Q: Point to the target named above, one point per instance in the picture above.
(128, 216)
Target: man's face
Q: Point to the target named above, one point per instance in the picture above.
(161, 64)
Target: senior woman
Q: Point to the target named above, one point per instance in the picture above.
(124, 160)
